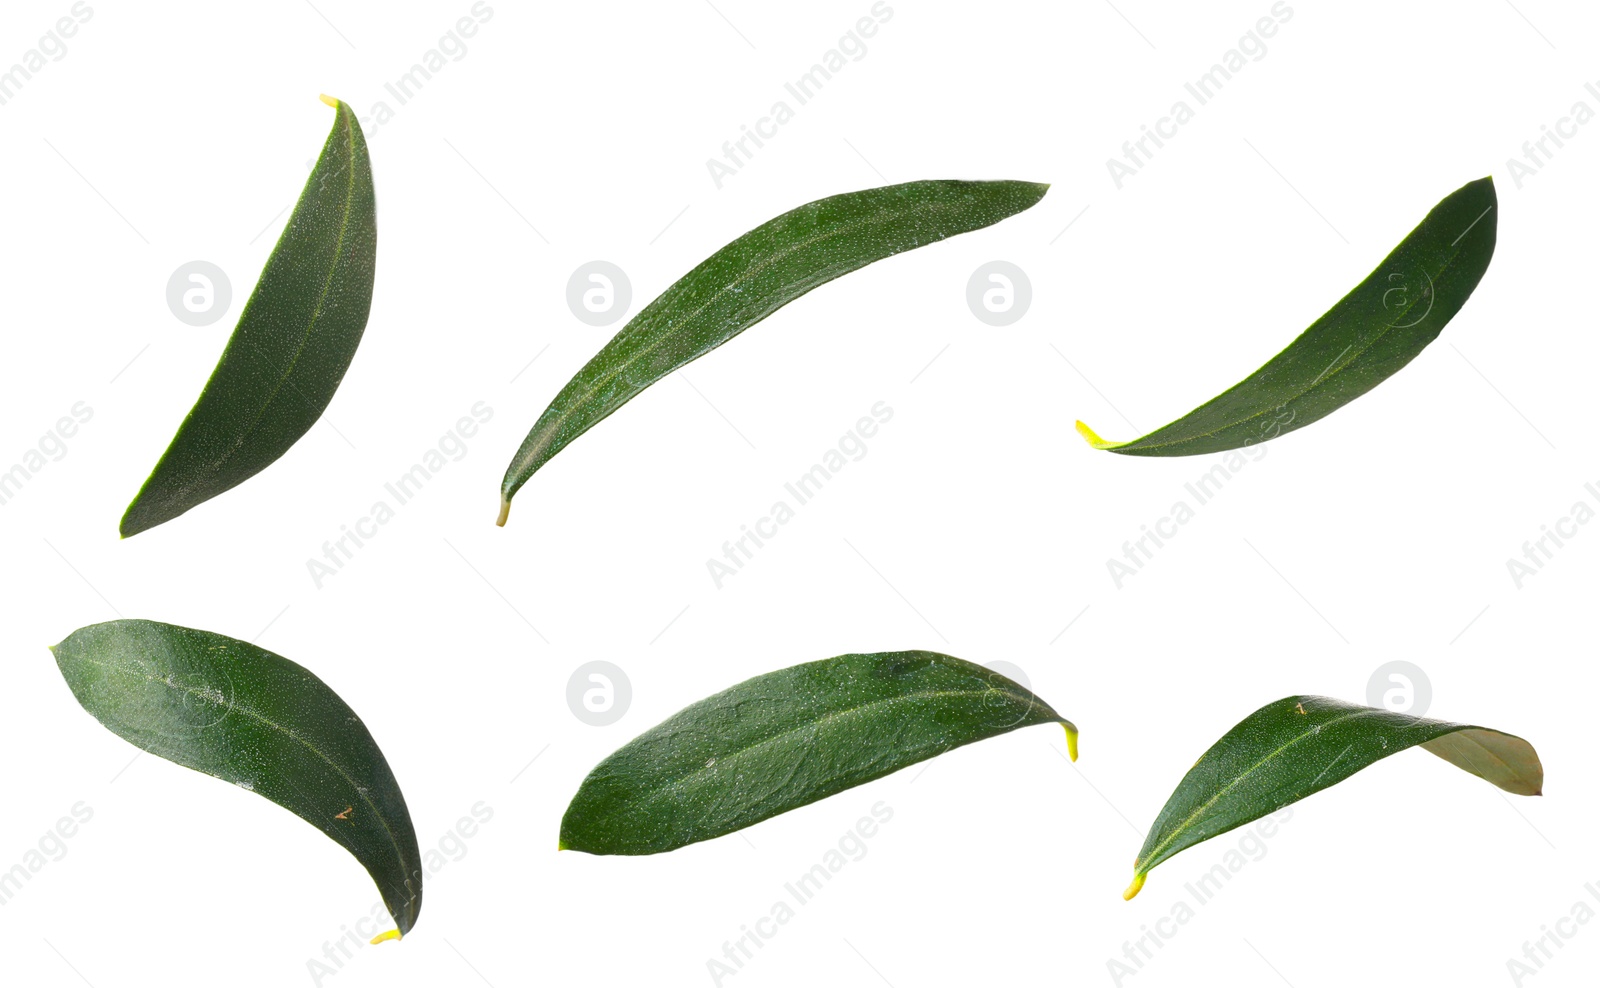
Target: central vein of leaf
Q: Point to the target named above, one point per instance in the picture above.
(211, 695)
(322, 296)
(1150, 859)
(1324, 379)
(688, 781)
(534, 445)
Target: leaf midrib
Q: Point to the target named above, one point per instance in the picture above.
(316, 313)
(1325, 378)
(687, 781)
(170, 681)
(1144, 863)
(581, 400)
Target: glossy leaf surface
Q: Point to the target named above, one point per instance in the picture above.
(292, 345)
(748, 280)
(247, 716)
(789, 738)
(1299, 745)
(1370, 334)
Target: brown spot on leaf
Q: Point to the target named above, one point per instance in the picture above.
(346, 814)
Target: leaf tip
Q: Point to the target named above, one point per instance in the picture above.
(1091, 437)
(386, 934)
(335, 104)
(1072, 741)
(562, 845)
(505, 510)
(1134, 887)
(137, 517)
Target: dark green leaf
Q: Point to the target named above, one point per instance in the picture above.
(1299, 745)
(1370, 334)
(789, 738)
(750, 279)
(294, 342)
(229, 709)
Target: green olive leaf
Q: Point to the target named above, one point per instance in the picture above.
(788, 738)
(1299, 745)
(292, 346)
(750, 279)
(231, 710)
(1368, 335)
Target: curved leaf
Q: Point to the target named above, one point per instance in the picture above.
(292, 346)
(1299, 745)
(789, 738)
(229, 709)
(750, 279)
(1370, 334)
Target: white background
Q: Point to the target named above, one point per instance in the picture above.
(978, 523)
